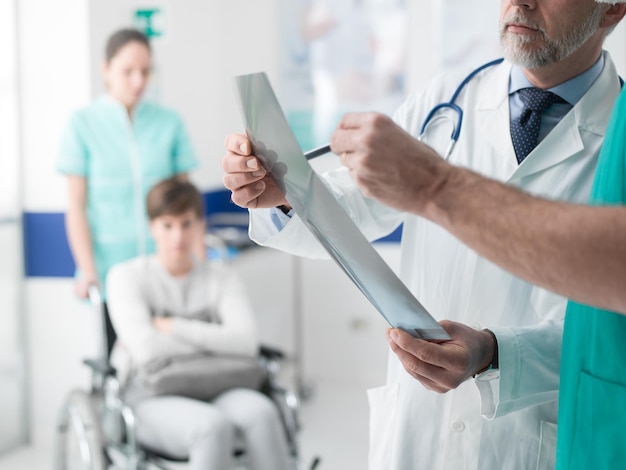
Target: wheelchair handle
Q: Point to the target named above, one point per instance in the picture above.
(94, 295)
(97, 302)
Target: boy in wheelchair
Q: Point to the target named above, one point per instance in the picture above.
(170, 307)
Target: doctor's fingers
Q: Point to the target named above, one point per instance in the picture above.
(247, 196)
(364, 120)
(449, 356)
(345, 141)
(235, 163)
(237, 180)
(260, 194)
(238, 143)
(425, 351)
(431, 377)
(360, 132)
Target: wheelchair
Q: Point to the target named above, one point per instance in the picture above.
(96, 429)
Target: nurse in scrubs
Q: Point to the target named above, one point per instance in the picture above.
(113, 151)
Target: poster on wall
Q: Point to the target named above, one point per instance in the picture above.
(340, 56)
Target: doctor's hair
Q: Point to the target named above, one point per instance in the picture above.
(122, 37)
(174, 197)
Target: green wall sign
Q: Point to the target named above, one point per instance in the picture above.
(150, 21)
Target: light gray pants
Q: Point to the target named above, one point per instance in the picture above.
(206, 432)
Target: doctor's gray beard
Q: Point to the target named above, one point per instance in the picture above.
(553, 50)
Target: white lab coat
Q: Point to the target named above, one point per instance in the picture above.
(411, 427)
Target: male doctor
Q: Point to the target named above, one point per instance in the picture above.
(544, 143)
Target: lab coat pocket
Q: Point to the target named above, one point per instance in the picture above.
(382, 401)
(547, 446)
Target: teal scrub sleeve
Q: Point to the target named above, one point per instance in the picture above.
(73, 154)
(183, 155)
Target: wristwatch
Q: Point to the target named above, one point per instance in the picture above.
(492, 371)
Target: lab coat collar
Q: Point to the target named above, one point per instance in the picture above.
(588, 115)
(492, 114)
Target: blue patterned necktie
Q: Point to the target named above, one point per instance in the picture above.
(525, 129)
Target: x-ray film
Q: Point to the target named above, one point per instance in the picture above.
(275, 145)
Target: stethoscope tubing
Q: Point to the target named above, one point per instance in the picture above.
(456, 132)
(317, 152)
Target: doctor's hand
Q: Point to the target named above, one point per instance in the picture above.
(442, 367)
(387, 163)
(249, 183)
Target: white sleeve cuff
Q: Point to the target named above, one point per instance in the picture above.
(529, 359)
(488, 384)
(494, 384)
(294, 237)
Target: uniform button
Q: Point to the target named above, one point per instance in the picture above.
(458, 425)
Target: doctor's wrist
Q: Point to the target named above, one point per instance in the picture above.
(285, 208)
(490, 360)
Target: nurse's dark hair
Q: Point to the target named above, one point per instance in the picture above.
(120, 38)
(174, 197)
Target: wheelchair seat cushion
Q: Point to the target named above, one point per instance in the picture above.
(201, 376)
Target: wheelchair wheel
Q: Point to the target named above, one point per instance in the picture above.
(287, 404)
(79, 441)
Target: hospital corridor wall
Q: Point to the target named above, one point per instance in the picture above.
(53, 49)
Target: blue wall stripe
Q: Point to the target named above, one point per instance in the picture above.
(47, 252)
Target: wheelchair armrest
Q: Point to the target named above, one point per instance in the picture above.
(271, 353)
(101, 366)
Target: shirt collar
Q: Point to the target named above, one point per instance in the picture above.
(571, 91)
(108, 100)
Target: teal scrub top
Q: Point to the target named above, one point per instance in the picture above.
(121, 161)
(592, 398)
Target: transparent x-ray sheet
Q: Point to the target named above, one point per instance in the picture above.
(277, 148)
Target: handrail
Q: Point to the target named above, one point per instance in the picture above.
(10, 220)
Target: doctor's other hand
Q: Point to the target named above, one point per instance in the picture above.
(442, 367)
(246, 178)
(387, 163)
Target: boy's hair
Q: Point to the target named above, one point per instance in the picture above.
(174, 197)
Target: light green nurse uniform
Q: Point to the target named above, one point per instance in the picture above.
(592, 399)
(121, 162)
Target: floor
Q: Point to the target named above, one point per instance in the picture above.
(334, 428)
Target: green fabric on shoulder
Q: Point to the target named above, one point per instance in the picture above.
(592, 398)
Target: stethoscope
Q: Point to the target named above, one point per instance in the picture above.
(430, 118)
(456, 129)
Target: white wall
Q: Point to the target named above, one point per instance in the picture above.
(54, 74)
(616, 45)
(9, 144)
(13, 370)
(54, 77)
(13, 428)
